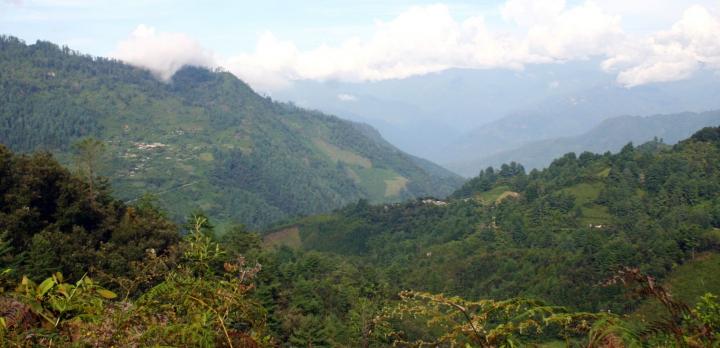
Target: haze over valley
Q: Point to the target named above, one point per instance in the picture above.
(460, 116)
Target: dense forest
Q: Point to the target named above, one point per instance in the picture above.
(567, 256)
(552, 234)
(203, 141)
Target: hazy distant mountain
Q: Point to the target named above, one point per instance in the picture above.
(460, 115)
(203, 141)
(425, 114)
(575, 113)
(610, 135)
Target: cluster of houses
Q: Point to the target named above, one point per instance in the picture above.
(434, 201)
(149, 146)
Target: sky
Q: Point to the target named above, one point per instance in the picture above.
(272, 43)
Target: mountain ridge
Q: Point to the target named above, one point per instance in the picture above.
(205, 140)
(609, 135)
(461, 114)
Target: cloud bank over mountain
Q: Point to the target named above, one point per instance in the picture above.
(162, 53)
(426, 39)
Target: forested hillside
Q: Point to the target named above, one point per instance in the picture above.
(523, 259)
(204, 141)
(554, 234)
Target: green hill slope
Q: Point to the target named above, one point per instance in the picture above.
(555, 234)
(687, 283)
(204, 140)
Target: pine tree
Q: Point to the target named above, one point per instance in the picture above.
(88, 155)
(310, 333)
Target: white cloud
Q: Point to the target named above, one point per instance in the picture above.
(655, 14)
(427, 39)
(419, 41)
(346, 97)
(575, 33)
(269, 67)
(162, 53)
(692, 44)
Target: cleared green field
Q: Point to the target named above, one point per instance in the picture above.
(380, 183)
(585, 195)
(603, 173)
(207, 157)
(289, 237)
(339, 155)
(394, 186)
(489, 197)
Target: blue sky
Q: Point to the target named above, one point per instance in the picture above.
(229, 26)
(270, 43)
(226, 26)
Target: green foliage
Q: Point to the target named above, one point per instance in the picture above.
(197, 220)
(51, 224)
(340, 288)
(202, 302)
(681, 326)
(58, 302)
(6, 260)
(558, 233)
(453, 321)
(88, 153)
(707, 313)
(239, 241)
(707, 134)
(688, 283)
(59, 307)
(440, 321)
(210, 306)
(5, 248)
(611, 331)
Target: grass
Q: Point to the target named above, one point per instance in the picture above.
(585, 195)
(375, 182)
(206, 156)
(489, 197)
(585, 192)
(394, 186)
(603, 173)
(595, 215)
(353, 175)
(339, 155)
(289, 237)
(506, 194)
(687, 283)
(186, 167)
